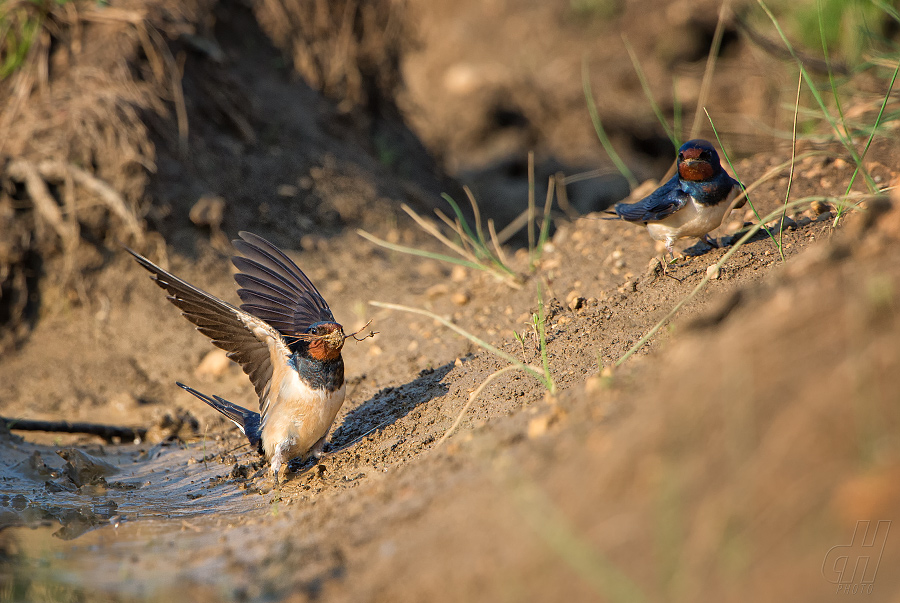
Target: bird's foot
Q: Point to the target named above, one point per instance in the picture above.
(710, 241)
(670, 253)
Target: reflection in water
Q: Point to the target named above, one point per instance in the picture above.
(67, 517)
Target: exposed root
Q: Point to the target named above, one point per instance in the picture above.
(45, 205)
(348, 49)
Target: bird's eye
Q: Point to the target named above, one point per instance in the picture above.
(680, 156)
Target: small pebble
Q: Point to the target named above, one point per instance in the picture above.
(459, 274)
(819, 207)
(576, 303)
(214, 364)
(460, 298)
(209, 210)
(712, 271)
(287, 190)
(437, 290)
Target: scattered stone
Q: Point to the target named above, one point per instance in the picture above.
(429, 268)
(654, 267)
(209, 210)
(460, 298)
(214, 364)
(789, 224)
(437, 290)
(593, 384)
(819, 207)
(713, 272)
(287, 190)
(538, 426)
(181, 426)
(82, 468)
(576, 302)
(310, 242)
(628, 286)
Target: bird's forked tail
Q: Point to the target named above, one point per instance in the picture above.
(246, 420)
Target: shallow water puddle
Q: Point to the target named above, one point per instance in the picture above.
(112, 518)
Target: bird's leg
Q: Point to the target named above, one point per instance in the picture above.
(668, 256)
(709, 241)
(670, 252)
(317, 450)
(278, 461)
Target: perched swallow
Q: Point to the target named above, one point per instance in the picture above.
(692, 203)
(286, 340)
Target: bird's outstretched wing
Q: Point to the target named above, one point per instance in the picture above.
(662, 202)
(248, 340)
(274, 289)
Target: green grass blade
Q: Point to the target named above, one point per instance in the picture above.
(598, 127)
(552, 527)
(545, 223)
(478, 243)
(421, 252)
(460, 217)
(542, 334)
(474, 339)
(642, 77)
(848, 144)
(831, 81)
(887, 95)
(744, 188)
(787, 194)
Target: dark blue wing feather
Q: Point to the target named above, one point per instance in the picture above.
(274, 289)
(662, 202)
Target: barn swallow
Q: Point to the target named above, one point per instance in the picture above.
(692, 203)
(285, 338)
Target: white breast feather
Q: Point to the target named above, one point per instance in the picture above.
(693, 220)
(299, 413)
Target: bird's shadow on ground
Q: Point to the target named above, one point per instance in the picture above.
(389, 405)
(702, 248)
